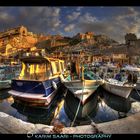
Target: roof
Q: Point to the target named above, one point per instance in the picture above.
(33, 59)
(38, 59)
(131, 68)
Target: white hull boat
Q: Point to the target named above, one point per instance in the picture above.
(83, 89)
(81, 100)
(118, 88)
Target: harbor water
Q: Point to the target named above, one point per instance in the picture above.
(110, 107)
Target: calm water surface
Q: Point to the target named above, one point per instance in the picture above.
(110, 107)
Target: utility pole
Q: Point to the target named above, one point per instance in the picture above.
(128, 52)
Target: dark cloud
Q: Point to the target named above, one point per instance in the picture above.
(37, 19)
(115, 26)
(51, 19)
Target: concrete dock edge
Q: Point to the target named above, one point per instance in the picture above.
(128, 125)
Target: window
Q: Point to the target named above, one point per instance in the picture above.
(55, 67)
(35, 71)
(62, 66)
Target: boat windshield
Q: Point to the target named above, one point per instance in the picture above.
(89, 75)
(35, 71)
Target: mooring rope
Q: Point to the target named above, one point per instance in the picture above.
(23, 93)
(33, 87)
(77, 109)
(30, 89)
(94, 125)
(78, 104)
(137, 92)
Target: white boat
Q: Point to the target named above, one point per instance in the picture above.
(117, 87)
(83, 88)
(80, 101)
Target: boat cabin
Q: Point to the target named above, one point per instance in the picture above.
(40, 68)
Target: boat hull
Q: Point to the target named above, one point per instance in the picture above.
(35, 93)
(122, 91)
(85, 112)
(82, 89)
(32, 99)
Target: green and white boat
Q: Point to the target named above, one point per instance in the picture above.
(7, 72)
(80, 100)
(84, 87)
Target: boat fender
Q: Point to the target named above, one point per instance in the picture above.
(54, 85)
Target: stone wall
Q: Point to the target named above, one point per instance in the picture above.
(11, 125)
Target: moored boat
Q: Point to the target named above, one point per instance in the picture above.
(38, 82)
(7, 72)
(78, 112)
(84, 87)
(4, 77)
(117, 87)
(80, 101)
(117, 103)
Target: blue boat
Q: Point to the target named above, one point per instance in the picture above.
(38, 82)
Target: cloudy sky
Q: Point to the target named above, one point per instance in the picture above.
(68, 21)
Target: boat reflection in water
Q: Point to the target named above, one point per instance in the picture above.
(106, 109)
(4, 94)
(6, 101)
(135, 94)
(34, 115)
(120, 104)
(79, 112)
(43, 115)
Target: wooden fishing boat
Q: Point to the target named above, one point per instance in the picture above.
(38, 82)
(117, 87)
(80, 102)
(78, 112)
(84, 87)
